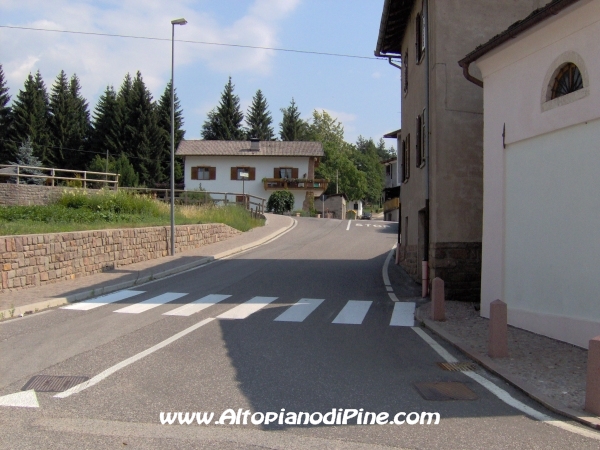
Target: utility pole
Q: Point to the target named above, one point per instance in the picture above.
(337, 180)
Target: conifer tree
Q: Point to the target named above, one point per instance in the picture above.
(225, 121)
(163, 158)
(292, 127)
(107, 123)
(59, 120)
(79, 135)
(5, 121)
(258, 119)
(25, 157)
(30, 113)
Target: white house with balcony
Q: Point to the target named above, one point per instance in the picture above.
(218, 166)
(541, 160)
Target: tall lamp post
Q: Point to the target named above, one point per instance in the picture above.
(173, 23)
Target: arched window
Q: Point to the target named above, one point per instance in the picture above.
(568, 79)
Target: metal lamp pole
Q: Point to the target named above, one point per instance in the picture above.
(173, 23)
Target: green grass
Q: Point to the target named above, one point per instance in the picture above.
(79, 211)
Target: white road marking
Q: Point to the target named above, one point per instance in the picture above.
(101, 376)
(389, 289)
(103, 300)
(150, 303)
(348, 227)
(393, 297)
(300, 310)
(403, 315)
(384, 270)
(353, 313)
(505, 396)
(245, 309)
(358, 224)
(196, 306)
(26, 399)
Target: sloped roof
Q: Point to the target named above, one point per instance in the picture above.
(394, 20)
(537, 16)
(242, 148)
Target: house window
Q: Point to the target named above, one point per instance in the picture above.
(204, 173)
(419, 38)
(236, 171)
(406, 159)
(285, 172)
(405, 72)
(567, 80)
(418, 146)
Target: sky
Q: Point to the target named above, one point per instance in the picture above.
(363, 94)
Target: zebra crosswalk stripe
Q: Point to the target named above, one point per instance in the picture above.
(300, 310)
(150, 303)
(92, 303)
(196, 306)
(403, 315)
(245, 309)
(353, 312)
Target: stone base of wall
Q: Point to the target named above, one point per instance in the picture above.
(459, 265)
(34, 260)
(409, 260)
(31, 194)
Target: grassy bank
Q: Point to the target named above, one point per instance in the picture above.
(79, 211)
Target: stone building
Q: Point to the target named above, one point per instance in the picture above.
(441, 139)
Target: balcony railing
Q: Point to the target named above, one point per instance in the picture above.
(391, 205)
(295, 184)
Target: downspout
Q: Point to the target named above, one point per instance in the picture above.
(425, 262)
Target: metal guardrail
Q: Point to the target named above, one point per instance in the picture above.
(183, 197)
(50, 176)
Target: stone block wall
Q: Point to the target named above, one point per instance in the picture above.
(33, 260)
(459, 265)
(409, 260)
(31, 194)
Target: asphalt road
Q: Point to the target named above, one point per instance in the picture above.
(266, 352)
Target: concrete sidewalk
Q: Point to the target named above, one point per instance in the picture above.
(27, 301)
(549, 371)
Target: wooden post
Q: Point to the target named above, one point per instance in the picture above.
(84, 179)
(52, 174)
(18, 172)
(498, 341)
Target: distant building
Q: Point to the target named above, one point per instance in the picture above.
(216, 166)
(441, 138)
(334, 206)
(541, 208)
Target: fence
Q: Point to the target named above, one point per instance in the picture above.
(23, 174)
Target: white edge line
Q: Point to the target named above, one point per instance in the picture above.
(393, 297)
(505, 396)
(348, 227)
(101, 376)
(384, 270)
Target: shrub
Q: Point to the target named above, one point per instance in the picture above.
(280, 202)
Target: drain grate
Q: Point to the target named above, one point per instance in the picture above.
(447, 390)
(457, 366)
(49, 383)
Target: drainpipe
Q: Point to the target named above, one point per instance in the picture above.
(425, 262)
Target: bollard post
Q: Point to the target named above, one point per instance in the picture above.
(498, 340)
(438, 307)
(592, 386)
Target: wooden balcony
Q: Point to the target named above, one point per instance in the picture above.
(294, 184)
(391, 205)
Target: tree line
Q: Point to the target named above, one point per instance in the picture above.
(60, 131)
(354, 169)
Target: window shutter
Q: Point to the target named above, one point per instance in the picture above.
(418, 38)
(276, 173)
(194, 173)
(212, 173)
(252, 173)
(408, 156)
(418, 156)
(295, 172)
(234, 173)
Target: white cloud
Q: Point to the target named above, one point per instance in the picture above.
(342, 117)
(376, 75)
(101, 60)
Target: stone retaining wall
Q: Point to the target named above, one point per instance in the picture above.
(33, 260)
(31, 194)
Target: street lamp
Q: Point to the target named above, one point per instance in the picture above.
(173, 23)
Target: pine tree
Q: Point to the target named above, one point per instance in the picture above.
(24, 157)
(225, 121)
(258, 119)
(107, 123)
(60, 119)
(79, 134)
(292, 127)
(5, 121)
(163, 158)
(31, 113)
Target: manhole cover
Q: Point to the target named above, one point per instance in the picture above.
(457, 366)
(49, 383)
(447, 390)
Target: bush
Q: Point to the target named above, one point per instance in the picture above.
(280, 202)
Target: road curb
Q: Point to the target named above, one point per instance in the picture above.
(489, 364)
(80, 296)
